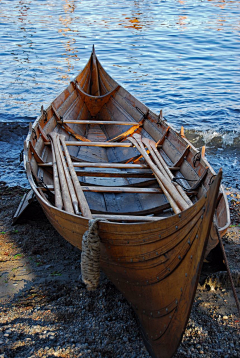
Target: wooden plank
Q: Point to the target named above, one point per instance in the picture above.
(120, 123)
(102, 165)
(127, 217)
(112, 189)
(162, 181)
(96, 144)
(80, 195)
(62, 191)
(73, 133)
(24, 204)
(143, 173)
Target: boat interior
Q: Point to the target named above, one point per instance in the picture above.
(117, 147)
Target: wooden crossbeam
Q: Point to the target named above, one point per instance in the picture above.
(105, 165)
(96, 144)
(102, 165)
(142, 173)
(98, 122)
(127, 217)
(113, 189)
(182, 156)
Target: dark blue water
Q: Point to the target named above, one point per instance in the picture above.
(180, 56)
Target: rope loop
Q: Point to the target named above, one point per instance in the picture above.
(90, 257)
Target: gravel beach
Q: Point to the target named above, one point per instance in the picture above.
(46, 310)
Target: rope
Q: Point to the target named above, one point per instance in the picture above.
(90, 257)
(227, 267)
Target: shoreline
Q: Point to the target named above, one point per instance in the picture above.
(49, 312)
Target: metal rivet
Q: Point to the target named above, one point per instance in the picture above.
(144, 240)
(205, 196)
(169, 269)
(158, 312)
(158, 278)
(151, 313)
(179, 215)
(131, 260)
(189, 242)
(186, 274)
(170, 317)
(179, 257)
(143, 258)
(166, 309)
(159, 236)
(176, 302)
(156, 253)
(176, 227)
(147, 281)
(201, 216)
(197, 236)
(181, 289)
(191, 256)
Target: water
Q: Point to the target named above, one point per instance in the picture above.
(180, 56)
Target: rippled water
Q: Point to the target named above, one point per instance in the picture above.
(180, 56)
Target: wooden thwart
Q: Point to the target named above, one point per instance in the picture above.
(112, 189)
(119, 123)
(102, 165)
(127, 217)
(95, 144)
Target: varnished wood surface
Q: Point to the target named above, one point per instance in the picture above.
(153, 256)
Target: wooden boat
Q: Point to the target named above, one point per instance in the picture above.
(98, 152)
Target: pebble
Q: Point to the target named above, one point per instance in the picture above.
(55, 316)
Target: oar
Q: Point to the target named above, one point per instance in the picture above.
(160, 178)
(166, 182)
(68, 179)
(58, 196)
(151, 145)
(67, 203)
(80, 195)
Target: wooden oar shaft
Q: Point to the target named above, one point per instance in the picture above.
(151, 145)
(68, 179)
(58, 196)
(166, 182)
(171, 176)
(64, 187)
(80, 195)
(156, 172)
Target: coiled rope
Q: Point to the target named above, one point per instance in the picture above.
(90, 257)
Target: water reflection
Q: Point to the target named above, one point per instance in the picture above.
(66, 31)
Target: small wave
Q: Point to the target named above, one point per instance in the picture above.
(212, 138)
